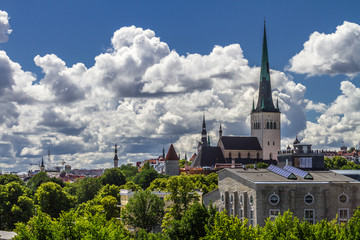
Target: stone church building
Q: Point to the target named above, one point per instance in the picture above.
(263, 144)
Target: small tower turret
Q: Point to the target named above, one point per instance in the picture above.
(116, 159)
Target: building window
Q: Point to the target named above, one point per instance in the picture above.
(254, 125)
(274, 199)
(268, 143)
(273, 213)
(241, 214)
(231, 211)
(274, 125)
(239, 155)
(248, 155)
(222, 198)
(343, 198)
(309, 215)
(273, 143)
(241, 199)
(267, 125)
(309, 199)
(257, 155)
(231, 198)
(251, 200)
(251, 217)
(270, 156)
(343, 215)
(271, 125)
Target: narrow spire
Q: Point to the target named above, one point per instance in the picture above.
(220, 131)
(277, 103)
(163, 152)
(42, 162)
(265, 102)
(185, 156)
(203, 132)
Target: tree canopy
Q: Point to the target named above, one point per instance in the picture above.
(113, 176)
(144, 210)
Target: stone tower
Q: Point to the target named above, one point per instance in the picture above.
(116, 159)
(265, 117)
(172, 162)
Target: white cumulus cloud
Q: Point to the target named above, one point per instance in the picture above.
(335, 53)
(5, 29)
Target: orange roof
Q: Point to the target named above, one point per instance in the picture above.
(171, 154)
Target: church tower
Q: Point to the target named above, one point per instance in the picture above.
(265, 117)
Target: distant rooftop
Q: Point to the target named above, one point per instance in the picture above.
(264, 176)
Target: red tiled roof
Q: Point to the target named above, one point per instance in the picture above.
(171, 154)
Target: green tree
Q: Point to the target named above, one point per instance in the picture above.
(158, 184)
(192, 224)
(145, 177)
(109, 190)
(336, 162)
(37, 180)
(40, 227)
(7, 178)
(352, 229)
(53, 199)
(227, 227)
(131, 185)
(284, 226)
(129, 170)
(262, 165)
(181, 195)
(109, 204)
(86, 189)
(113, 176)
(144, 210)
(15, 205)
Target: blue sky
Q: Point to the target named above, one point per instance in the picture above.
(64, 33)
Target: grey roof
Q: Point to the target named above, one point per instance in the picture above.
(347, 172)
(208, 156)
(264, 176)
(240, 143)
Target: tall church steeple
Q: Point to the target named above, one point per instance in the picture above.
(204, 132)
(265, 102)
(265, 117)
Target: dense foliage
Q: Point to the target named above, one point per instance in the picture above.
(338, 162)
(88, 209)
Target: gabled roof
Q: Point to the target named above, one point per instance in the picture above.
(171, 154)
(240, 143)
(208, 157)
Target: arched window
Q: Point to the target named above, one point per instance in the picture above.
(254, 125)
(257, 155)
(259, 125)
(239, 155)
(267, 125)
(270, 156)
(271, 125)
(274, 125)
(248, 155)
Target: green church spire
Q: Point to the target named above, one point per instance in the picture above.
(265, 102)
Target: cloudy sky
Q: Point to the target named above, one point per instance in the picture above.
(76, 77)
